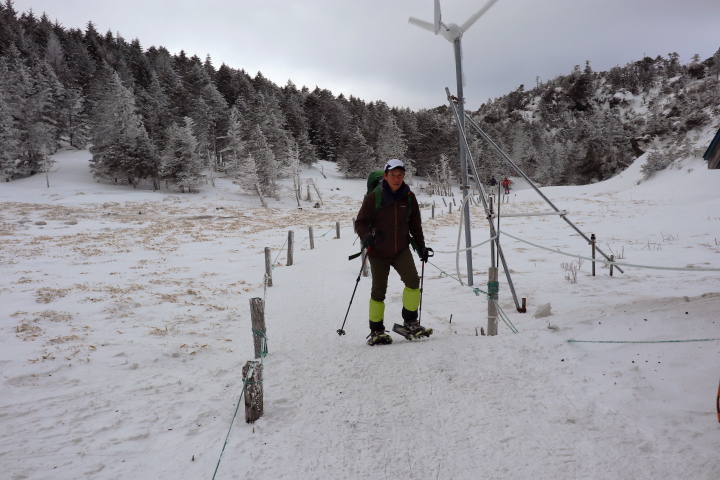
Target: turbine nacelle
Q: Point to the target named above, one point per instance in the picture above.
(451, 31)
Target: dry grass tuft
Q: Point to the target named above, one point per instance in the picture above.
(48, 294)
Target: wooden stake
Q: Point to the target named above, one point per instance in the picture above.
(365, 269)
(312, 239)
(492, 308)
(337, 230)
(291, 246)
(257, 317)
(612, 259)
(268, 267)
(253, 391)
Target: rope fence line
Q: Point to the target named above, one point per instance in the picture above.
(262, 352)
(252, 367)
(468, 248)
(645, 341)
(246, 380)
(606, 262)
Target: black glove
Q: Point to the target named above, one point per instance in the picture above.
(426, 253)
(369, 240)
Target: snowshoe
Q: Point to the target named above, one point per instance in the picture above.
(379, 337)
(412, 331)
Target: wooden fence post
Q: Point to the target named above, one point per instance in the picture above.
(268, 267)
(612, 259)
(312, 239)
(492, 326)
(337, 230)
(291, 245)
(253, 391)
(433, 210)
(257, 317)
(592, 242)
(365, 269)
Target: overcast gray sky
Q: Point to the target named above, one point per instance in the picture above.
(367, 48)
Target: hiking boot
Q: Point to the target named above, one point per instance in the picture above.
(379, 337)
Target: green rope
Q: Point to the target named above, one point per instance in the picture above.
(327, 232)
(645, 341)
(494, 289)
(263, 346)
(272, 267)
(246, 380)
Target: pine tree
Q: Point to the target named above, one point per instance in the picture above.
(266, 166)
(249, 180)
(121, 147)
(9, 139)
(357, 159)
(181, 163)
(655, 162)
(233, 151)
(31, 96)
(390, 141)
(297, 123)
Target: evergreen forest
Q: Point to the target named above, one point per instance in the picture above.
(172, 121)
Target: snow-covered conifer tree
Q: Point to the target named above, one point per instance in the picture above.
(9, 139)
(357, 158)
(234, 148)
(249, 180)
(265, 163)
(181, 163)
(390, 142)
(121, 147)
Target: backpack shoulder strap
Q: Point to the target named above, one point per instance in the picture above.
(378, 203)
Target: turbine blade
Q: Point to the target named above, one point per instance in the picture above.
(469, 22)
(438, 17)
(422, 24)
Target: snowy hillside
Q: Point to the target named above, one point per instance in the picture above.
(125, 324)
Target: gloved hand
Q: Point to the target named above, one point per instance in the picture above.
(369, 240)
(426, 253)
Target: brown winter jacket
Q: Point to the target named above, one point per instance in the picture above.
(391, 223)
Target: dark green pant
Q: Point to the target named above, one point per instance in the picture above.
(404, 264)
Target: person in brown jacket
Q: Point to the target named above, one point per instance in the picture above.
(385, 228)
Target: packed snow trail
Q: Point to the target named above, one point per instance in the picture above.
(452, 406)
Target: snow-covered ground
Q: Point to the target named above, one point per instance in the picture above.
(125, 324)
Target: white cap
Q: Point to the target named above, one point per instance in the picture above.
(393, 164)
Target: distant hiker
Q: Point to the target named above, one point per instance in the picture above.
(386, 224)
(506, 184)
(492, 182)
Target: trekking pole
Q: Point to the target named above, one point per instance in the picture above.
(422, 281)
(340, 330)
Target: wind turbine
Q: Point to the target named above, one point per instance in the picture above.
(453, 33)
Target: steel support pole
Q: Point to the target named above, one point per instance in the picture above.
(487, 211)
(532, 184)
(463, 157)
